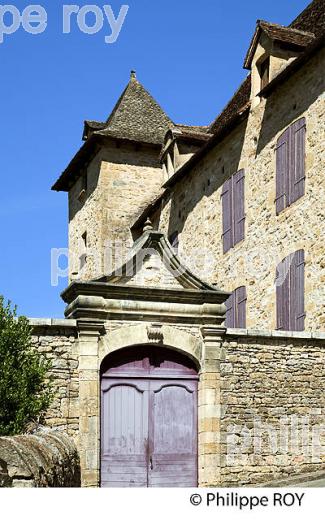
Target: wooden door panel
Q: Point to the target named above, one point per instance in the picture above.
(173, 434)
(173, 410)
(124, 433)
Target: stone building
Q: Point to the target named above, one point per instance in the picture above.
(193, 347)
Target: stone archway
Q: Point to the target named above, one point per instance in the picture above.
(156, 334)
(138, 305)
(202, 346)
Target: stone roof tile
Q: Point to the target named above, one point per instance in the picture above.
(311, 19)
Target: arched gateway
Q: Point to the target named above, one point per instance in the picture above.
(148, 419)
(143, 430)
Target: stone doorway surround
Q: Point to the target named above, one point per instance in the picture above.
(153, 299)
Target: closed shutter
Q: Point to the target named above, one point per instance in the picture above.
(227, 224)
(282, 283)
(230, 312)
(279, 299)
(297, 159)
(282, 171)
(239, 205)
(241, 298)
(297, 290)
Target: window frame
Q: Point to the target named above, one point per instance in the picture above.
(233, 232)
(290, 293)
(290, 160)
(236, 298)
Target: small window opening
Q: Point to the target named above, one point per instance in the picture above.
(84, 186)
(265, 72)
(83, 256)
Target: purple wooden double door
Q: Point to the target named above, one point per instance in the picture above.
(148, 419)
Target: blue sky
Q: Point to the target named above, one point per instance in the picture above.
(188, 54)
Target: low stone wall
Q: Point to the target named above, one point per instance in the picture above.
(272, 395)
(46, 459)
(263, 391)
(57, 341)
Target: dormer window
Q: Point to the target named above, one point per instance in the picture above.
(264, 70)
(272, 49)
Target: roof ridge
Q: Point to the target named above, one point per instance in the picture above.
(287, 27)
(203, 128)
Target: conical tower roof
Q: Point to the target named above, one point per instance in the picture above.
(136, 117)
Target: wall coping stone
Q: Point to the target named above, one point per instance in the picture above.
(50, 322)
(71, 323)
(275, 334)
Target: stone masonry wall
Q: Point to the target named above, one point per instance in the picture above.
(121, 180)
(250, 382)
(57, 341)
(194, 208)
(272, 400)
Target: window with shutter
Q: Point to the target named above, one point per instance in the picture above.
(297, 163)
(230, 315)
(227, 220)
(241, 298)
(239, 206)
(282, 283)
(297, 290)
(290, 307)
(290, 165)
(282, 171)
(236, 309)
(233, 210)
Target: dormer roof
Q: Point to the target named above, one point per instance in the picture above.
(288, 36)
(192, 135)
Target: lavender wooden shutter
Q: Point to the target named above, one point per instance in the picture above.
(279, 300)
(297, 289)
(297, 159)
(282, 171)
(282, 283)
(230, 312)
(239, 206)
(241, 298)
(227, 221)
